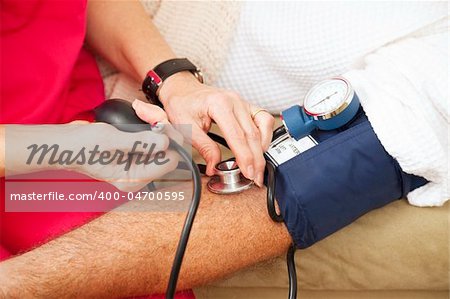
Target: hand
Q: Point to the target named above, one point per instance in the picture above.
(64, 143)
(186, 101)
(135, 175)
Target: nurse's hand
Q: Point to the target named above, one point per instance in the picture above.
(146, 155)
(98, 150)
(159, 161)
(186, 101)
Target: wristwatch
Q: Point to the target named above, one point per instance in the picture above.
(155, 78)
(327, 106)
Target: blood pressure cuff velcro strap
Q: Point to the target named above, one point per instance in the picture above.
(332, 184)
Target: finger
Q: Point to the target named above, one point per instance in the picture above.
(264, 121)
(147, 142)
(153, 114)
(112, 139)
(253, 137)
(79, 122)
(149, 113)
(222, 112)
(140, 175)
(207, 148)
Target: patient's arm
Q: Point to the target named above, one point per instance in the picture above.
(131, 253)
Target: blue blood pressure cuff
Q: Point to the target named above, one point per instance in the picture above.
(347, 174)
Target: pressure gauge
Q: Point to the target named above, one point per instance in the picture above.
(328, 105)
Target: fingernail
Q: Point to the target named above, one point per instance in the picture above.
(250, 172)
(258, 180)
(135, 103)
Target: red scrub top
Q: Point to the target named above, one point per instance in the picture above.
(47, 77)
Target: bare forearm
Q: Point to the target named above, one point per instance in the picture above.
(125, 253)
(124, 34)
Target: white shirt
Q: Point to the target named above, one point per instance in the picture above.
(395, 54)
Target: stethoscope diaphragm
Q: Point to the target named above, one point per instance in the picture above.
(228, 179)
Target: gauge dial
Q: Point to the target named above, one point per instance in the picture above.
(327, 97)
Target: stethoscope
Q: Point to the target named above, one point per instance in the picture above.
(229, 180)
(328, 105)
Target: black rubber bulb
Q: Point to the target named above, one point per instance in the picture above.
(120, 114)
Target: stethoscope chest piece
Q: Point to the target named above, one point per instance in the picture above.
(228, 179)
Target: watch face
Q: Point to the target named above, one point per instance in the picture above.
(327, 97)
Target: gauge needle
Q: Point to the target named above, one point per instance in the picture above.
(324, 99)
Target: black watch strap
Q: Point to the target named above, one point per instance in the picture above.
(164, 70)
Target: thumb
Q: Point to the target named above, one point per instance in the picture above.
(153, 114)
(79, 122)
(149, 113)
(207, 148)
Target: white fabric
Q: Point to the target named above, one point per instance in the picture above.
(406, 100)
(394, 53)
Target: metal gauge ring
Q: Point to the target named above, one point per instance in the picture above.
(329, 105)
